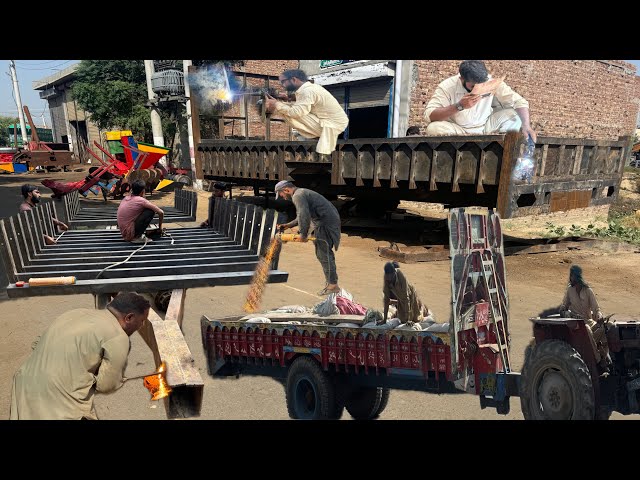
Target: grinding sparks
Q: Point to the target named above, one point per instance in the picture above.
(260, 277)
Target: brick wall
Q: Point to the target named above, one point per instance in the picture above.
(637, 101)
(267, 67)
(567, 98)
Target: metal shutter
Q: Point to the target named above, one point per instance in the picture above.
(338, 93)
(366, 94)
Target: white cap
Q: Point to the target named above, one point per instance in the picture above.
(280, 185)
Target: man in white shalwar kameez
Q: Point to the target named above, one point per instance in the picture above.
(315, 114)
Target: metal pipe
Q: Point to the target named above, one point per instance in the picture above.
(396, 98)
(16, 91)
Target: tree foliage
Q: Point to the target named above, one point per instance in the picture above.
(4, 130)
(114, 92)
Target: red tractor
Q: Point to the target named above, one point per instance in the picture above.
(561, 379)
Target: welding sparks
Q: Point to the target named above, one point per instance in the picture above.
(213, 87)
(260, 277)
(157, 385)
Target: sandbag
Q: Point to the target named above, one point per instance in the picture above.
(258, 320)
(349, 307)
(292, 309)
(374, 316)
(438, 327)
(326, 307)
(389, 325)
(407, 326)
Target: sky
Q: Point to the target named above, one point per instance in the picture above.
(30, 70)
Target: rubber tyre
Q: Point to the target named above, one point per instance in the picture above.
(556, 384)
(310, 392)
(367, 403)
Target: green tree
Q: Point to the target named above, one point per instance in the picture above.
(4, 130)
(114, 93)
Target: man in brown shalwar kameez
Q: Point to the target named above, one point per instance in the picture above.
(82, 352)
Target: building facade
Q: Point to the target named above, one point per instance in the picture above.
(70, 124)
(596, 99)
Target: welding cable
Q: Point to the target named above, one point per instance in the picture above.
(146, 240)
(167, 234)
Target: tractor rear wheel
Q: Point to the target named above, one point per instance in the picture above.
(556, 384)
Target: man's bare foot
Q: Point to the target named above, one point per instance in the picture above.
(49, 240)
(330, 288)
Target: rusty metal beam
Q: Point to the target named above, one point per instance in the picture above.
(165, 339)
(511, 147)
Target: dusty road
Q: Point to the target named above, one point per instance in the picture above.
(535, 282)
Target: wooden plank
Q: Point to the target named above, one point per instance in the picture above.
(166, 341)
(175, 311)
(430, 254)
(580, 245)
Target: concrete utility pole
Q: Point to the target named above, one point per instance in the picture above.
(156, 123)
(197, 182)
(16, 92)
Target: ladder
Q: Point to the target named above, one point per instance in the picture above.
(497, 315)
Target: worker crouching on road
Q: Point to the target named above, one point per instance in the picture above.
(398, 290)
(83, 351)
